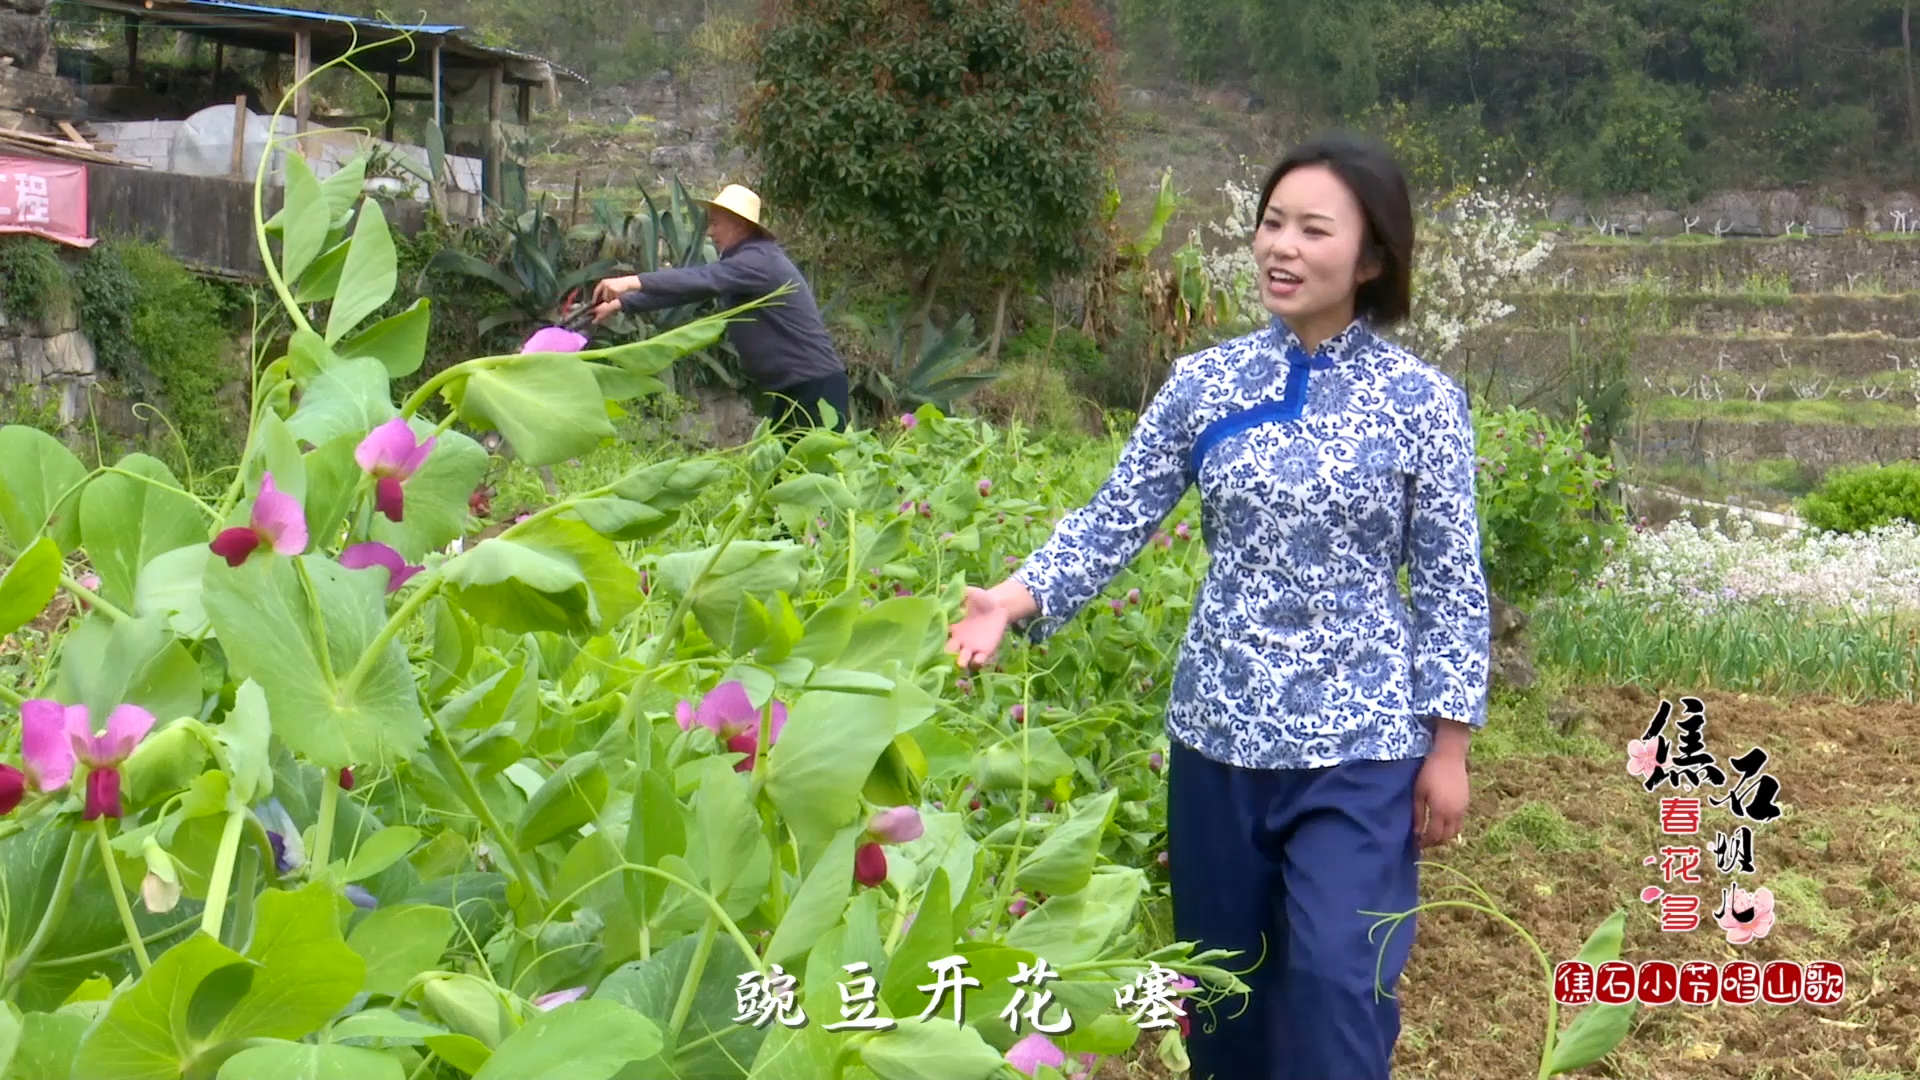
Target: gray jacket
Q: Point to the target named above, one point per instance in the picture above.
(781, 344)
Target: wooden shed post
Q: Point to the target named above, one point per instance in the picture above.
(496, 105)
(302, 67)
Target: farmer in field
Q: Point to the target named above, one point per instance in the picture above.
(1319, 728)
(784, 347)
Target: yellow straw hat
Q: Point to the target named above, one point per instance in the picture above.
(739, 201)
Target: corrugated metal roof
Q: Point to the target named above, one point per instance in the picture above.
(323, 16)
(239, 17)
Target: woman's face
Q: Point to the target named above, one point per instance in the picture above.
(1308, 249)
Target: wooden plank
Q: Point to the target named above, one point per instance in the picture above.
(238, 164)
(302, 67)
(495, 152)
(68, 130)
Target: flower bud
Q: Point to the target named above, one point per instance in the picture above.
(896, 825)
(869, 865)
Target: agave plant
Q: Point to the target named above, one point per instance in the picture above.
(934, 377)
(531, 269)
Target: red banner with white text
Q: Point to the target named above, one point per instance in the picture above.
(45, 198)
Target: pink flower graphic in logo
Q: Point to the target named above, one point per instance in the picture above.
(1642, 756)
(1745, 916)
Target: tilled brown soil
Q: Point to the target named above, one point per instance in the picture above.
(1557, 840)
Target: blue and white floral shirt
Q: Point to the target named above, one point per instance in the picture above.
(1301, 652)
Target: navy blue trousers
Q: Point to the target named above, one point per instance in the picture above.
(1278, 864)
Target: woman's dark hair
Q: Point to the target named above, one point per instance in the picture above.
(1369, 171)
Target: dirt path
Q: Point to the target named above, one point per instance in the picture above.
(1556, 835)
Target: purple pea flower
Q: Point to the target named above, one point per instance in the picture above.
(371, 554)
(391, 456)
(277, 521)
(55, 738)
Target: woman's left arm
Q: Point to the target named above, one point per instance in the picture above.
(1451, 644)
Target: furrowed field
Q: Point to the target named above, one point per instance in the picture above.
(416, 767)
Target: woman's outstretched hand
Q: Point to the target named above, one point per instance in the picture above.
(988, 612)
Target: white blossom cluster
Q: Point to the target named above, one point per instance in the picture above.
(1873, 573)
(1474, 245)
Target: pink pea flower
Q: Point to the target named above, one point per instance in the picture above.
(896, 825)
(1642, 756)
(729, 714)
(54, 738)
(1117, 606)
(909, 421)
(346, 778)
(277, 521)
(548, 1002)
(554, 339)
(363, 556)
(91, 583)
(391, 456)
(1035, 1050)
(907, 507)
(13, 788)
(1747, 916)
(869, 865)
(1156, 761)
(986, 486)
(1019, 714)
(1018, 909)
(1182, 531)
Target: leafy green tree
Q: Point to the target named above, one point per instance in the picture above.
(965, 137)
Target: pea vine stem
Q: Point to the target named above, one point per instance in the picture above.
(215, 911)
(120, 894)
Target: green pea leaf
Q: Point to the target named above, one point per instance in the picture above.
(933, 1049)
(758, 568)
(303, 219)
(398, 943)
(821, 900)
(1073, 929)
(825, 751)
(39, 481)
(551, 575)
(301, 1061)
(380, 850)
(244, 737)
(570, 798)
(398, 341)
(266, 625)
(135, 661)
(170, 586)
(587, 1040)
(369, 276)
(124, 523)
(29, 584)
(1063, 862)
(349, 397)
(549, 407)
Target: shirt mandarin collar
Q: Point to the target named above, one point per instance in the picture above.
(1346, 344)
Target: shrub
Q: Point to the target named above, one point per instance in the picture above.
(1544, 516)
(1865, 497)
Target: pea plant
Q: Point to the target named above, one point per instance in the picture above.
(314, 785)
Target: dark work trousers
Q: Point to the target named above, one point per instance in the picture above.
(803, 410)
(1278, 864)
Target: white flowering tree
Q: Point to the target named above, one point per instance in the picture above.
(1474, 244)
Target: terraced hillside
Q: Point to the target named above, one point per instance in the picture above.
(1754, 366)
